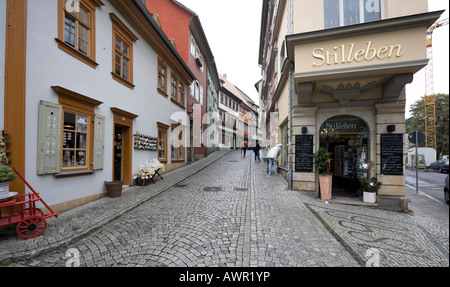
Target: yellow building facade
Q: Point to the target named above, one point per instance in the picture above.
(334, 73)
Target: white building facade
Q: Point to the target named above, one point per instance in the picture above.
(101, 88)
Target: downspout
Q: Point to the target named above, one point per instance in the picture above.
(289, 175)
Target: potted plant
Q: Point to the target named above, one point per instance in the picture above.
(370, 189)
(7, 174)
(322, 159)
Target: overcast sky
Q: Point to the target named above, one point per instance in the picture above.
(232, 28)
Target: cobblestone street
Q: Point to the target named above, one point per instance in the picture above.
(232, 213)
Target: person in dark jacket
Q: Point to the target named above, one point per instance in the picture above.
(256, 149)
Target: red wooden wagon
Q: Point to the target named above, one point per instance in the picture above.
(21, 210)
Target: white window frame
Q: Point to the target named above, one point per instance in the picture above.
(361, 11)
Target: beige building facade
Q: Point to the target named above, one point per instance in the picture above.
(334, 73)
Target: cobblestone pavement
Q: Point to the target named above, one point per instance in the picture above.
(231, 213)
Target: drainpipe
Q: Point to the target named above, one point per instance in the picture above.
(289, 175)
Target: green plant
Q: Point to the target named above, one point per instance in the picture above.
(7, 174)
(322, 158)
(370, 186)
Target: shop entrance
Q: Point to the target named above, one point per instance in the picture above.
(347, 138)
(118, 144)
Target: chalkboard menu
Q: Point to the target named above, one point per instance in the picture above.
(304, 153)
(392, 154)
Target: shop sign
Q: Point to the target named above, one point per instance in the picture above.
(343, 125)
(343, 54)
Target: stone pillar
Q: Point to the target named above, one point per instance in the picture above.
(303, 117)
(392, 192)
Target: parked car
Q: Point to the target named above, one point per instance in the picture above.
(446, 195)
(440, 165)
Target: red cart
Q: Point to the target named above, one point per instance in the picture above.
(21, 210)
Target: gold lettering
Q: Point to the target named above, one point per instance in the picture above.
(328, 58)
(399, 50)
(358, 53)
(368, 53)
(342, 53)
(373, 50)
(349, 59)
(381, 54)
(318, 56)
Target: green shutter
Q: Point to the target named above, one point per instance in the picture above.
(49, 138)
(99, 142)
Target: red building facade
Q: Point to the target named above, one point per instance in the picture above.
(183, 27)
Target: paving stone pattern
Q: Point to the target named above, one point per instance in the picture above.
(227, 211)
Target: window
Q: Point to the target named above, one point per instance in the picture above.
(349, 12)
(162, 77)
(70, 136)
(162, 142)
(122, 58)
(177, 91)
(75, 138)
(122, 49)
(76, 29)
(196, 54)
(174, 91)
(181, 89)
(177, 143)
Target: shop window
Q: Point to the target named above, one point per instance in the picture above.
(74, 140)
(70, 135)
(349, 12)
(76, 29)
(162, 77)
(162, 142)
(122, 49)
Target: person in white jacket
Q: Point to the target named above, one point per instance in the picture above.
(272, 155)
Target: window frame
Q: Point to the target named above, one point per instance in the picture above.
(90, 7)
(88, 148)
(173, 138)
(78, 104)
(162, 66)
(177, 91)
(162, 130)
(121, 31)
(361, 13)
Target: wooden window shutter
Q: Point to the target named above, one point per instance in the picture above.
(99, 142)
(49, 138)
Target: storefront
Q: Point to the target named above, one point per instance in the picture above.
(348, 96)
(347, 138)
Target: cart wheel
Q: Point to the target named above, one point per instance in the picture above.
(31, 227)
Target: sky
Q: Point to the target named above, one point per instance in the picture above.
(232, 28)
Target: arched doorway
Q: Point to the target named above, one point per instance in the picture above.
(347, 138)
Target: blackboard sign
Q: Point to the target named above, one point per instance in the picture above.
(392, 154)
(304, 153)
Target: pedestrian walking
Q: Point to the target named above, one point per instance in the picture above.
(256, 149)
(272, 155)
(244, 147)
